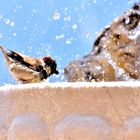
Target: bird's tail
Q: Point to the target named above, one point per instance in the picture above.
(2, 49)
(5, 54)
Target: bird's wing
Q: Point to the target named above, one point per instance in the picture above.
(25, 60)
(21, 59)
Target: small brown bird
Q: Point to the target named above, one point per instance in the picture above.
(26, 69)
(115, 55)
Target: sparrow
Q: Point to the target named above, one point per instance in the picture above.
(115, 55)
(26, 69)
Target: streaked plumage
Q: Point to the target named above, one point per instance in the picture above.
(26, 69)
(115, 55)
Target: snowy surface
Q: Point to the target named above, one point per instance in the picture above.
(70, 85)
(59, 111)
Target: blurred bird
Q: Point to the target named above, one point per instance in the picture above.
(26, 69)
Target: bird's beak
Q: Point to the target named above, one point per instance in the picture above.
(56, 72)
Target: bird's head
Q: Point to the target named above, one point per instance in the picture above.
(50, 65)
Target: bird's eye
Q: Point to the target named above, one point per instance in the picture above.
(117, 36)
(131, 21)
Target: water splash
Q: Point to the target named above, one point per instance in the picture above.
(56, 16)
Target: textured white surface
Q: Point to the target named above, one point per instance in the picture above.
(72, 85)
(105, 109)
(28, 127)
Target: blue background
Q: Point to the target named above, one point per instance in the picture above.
(60, 28)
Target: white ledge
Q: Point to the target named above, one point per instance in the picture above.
(72, 85)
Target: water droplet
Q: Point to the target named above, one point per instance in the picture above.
(68, 18)
(127, 20)
(14, 34)
(98, 67)
(7, 21)
(69, 40)
(12, 24)
(59, 36)
(66, 8)
(56, 16)
(1, 16)
(74, 27)
(34, 11)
